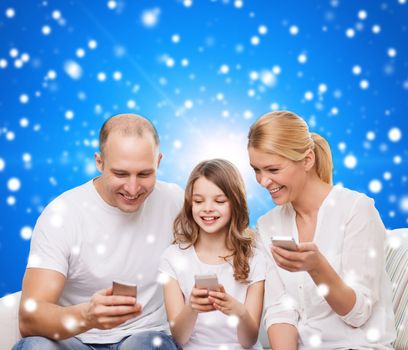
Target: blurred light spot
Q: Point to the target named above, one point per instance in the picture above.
(350, 161)
(232, 321)
(315, 340)
(80, 53)
(30, 305)
(11, 200)
(69, 115)
(397, 159)
(112, 4)
(175, 38)
(10, 12)
(373, 335)
(224, 69)
(13, 184)
(362, 14)
(394, 134)
(392, 52)
(364, 84)
(322, 290)
(24, 98)
(56, 14)
(238, 4)
(157, 341)
(350, 33)
(294, 30)
(255, 40)
(375, 186)
(403, 204)
(376, 29)
(262, 30)
(101, 76)
(26, 232)
(46, 30)
(92, 44)
(308, 95)
(73, 69)
(302, 58)
(188, 104)
(150, 18)
(2, 164)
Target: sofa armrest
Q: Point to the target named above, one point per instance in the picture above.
(9, 328)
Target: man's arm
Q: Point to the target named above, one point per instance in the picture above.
(41, 315)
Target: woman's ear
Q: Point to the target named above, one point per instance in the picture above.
(309, 160)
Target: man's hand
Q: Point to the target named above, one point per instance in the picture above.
(225, 303)
(306, 258)
(199, 300)
(106, 311)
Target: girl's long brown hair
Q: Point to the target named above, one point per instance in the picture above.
(239, 238)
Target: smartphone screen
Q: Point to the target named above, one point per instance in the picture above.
(285, 242)
(123, 288)
(209, 282)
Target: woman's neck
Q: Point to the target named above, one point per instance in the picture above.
(311, 198)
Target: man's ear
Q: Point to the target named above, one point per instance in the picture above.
(98, 161)
(309, 160)
(159, 158)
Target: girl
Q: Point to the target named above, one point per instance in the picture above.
(337, 275)
(211, 237)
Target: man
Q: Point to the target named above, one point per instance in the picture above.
(114, 227)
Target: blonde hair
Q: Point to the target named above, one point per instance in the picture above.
(239, 238)
(286, 134)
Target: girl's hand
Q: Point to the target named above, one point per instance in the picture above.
(199, 300)
(306, 258)
(225, 303)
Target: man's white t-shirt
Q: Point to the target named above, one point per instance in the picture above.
(213, 330)
(92, 243)
(350, 234)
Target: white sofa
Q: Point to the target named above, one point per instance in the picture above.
(396, 265)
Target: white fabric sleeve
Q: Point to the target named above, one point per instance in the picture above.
(49, 243)
(279, 307)
(166, 264)
(363, 259)
(258, 267)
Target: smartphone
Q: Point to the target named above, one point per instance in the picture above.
(124, 288)
(209, 282)
(285, 242)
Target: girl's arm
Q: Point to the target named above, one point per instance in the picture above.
(283, 336)
(249, 313)
(183, 316)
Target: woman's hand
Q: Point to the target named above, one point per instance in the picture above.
(306, 258)
(225, 303)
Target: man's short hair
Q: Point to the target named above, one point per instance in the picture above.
(128, 125)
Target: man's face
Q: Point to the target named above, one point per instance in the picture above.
(129, 168)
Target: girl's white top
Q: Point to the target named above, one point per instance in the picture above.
(213, 330)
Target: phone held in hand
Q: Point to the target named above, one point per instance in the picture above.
(124, 288)
(209, 282)
(285, 242)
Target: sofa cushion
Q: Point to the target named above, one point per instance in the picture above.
(397, 269)
(9, 320)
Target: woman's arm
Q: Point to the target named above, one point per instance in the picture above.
(282, 336)
(182, 315)
(337, 293)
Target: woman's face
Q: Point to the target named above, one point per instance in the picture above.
(283, 178)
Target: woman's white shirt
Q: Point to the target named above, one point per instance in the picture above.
(350, 234)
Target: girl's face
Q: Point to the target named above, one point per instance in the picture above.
(211, 209)
(283, 178)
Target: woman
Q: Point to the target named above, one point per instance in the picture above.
(336, 276)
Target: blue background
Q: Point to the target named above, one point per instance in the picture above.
(202, 71)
